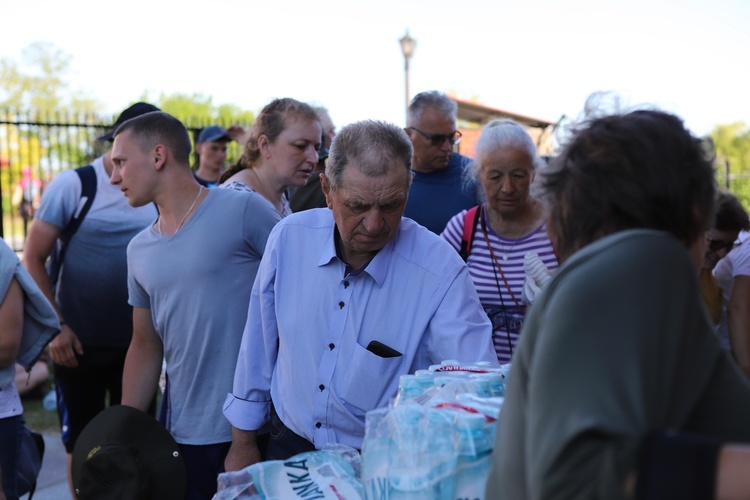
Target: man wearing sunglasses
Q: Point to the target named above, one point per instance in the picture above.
(730, 219)
(437, 192)
(732, 275)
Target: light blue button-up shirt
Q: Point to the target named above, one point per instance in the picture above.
(305, 342)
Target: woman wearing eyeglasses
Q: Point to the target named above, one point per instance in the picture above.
(731, 218)
(505, 232)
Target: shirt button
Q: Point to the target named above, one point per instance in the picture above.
(318, 425)
(331, 346)
(341, 304)
(346, 284)
(321, 387)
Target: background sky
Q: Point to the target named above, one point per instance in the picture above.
(540, 58)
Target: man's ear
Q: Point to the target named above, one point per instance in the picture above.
(326, 190)
(160, 153)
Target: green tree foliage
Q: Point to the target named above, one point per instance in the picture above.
(732, 146)
(39, 81)
(38, 104)
(35, 89)
(197, 110)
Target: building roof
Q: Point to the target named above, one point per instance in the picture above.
(475, 112)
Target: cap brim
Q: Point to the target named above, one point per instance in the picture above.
(146, 437)
(109, 136)
(220, 137)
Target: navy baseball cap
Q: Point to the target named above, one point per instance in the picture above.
(213, 133)
(137, 109)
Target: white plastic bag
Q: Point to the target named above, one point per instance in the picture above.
(323, 474)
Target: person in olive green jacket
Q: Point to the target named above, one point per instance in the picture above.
(619, 387)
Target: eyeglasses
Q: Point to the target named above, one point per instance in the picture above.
(716, 245)
(438, 140)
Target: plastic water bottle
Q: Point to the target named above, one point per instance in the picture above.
(408, 388)
(425, 379)
(376, 453)
(414, 469)
(474, 457)
(495, 381)
(482, 382)
(50, 401)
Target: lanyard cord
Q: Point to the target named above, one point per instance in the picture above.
(496, 265)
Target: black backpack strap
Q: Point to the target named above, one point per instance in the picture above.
(470, 229)
(87, 175)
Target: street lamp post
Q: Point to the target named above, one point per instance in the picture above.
(407, 47)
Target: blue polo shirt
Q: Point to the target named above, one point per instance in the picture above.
(436, 197)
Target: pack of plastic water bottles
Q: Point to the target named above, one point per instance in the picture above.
(435, 441)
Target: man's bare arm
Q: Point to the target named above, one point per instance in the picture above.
(41, 239)
(143, 362)
(244, 450)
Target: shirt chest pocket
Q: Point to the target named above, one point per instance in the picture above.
(367, 380)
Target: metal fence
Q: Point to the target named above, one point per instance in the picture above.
(36, 146)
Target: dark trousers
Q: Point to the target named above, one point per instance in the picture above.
(82, 392)
(10, 447)
(283, 443)
(204, 463)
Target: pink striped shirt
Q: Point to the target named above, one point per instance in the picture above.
(497, 300)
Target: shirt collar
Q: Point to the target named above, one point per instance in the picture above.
(377, 267)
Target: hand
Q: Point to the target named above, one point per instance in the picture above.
(241, 456)
(236, 133)
(64, 347)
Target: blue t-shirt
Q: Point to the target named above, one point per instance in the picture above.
(436, 197)
(197, 285)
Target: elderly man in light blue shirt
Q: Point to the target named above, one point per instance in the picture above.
(347, 299)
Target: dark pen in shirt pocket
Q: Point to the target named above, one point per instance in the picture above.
(382, 350)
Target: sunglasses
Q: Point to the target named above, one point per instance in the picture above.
(439, 139)
(716, 245)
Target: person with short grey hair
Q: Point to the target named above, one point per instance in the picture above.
(431, 99)
(373, 146)
(504, 133)
(347, 299)
(438, 191)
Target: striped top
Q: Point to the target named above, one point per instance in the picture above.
(498, 302)
(241, 186)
